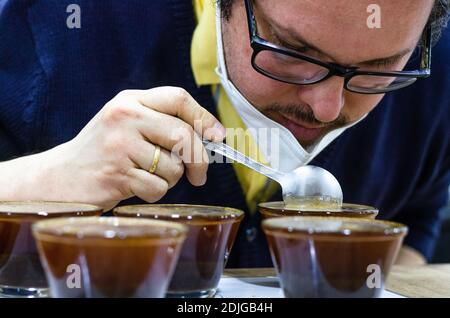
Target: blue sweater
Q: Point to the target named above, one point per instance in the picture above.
(53, 80)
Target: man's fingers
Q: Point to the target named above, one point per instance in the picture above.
(178, 102)
(179, 138)
(196, 170)
(147, 186)
(171, 118)
(169, 166)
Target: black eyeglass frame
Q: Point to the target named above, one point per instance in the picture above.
(258, 44)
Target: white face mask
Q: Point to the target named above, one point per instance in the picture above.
(288, 153)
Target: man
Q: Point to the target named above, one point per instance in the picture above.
(314, 69)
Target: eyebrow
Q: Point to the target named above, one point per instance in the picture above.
(302, 46)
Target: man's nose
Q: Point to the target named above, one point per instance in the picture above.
(326, 99)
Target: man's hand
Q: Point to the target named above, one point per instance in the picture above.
(109, 160)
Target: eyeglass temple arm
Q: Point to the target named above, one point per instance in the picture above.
(426, 59)
(250, 18)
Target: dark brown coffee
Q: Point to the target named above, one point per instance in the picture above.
(113, 257)
(279, 209)
(211, 234)
(333, 257)
(21, 273)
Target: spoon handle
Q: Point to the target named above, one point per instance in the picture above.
(227, 151)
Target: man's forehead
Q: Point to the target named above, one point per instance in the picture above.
(340, 27)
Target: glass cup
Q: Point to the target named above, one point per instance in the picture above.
(21, 273)
(232, 237)
(212, 231)
(333, 257)
(96, 257)
(280, 209)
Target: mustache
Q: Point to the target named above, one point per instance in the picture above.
(305, 114)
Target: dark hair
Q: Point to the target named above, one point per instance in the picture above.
(225, 8)
(439, 16)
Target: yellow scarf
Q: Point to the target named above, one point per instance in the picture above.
(256, 187)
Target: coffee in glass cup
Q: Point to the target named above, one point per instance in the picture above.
(333, 257)
(99, 257)
(21, 273)
(211, 234)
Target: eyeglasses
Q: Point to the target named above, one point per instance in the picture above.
(289, 66)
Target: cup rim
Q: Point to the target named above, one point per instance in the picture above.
(346, 207)
(385, 228)
(54, 228)
(77, 207)
(232, 214)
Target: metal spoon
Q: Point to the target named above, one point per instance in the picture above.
(304, 185)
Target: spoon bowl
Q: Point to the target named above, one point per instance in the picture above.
(311, 185)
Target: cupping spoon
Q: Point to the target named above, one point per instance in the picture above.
(302, 186)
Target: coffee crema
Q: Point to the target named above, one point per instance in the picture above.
(280, 209)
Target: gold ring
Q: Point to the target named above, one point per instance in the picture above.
(155, 159)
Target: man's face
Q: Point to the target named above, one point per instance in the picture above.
(338, 29)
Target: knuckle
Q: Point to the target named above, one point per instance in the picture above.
(181, 96)
(127, 93)
(118, 112)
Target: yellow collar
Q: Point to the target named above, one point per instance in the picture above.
(203, 46)
(256, 187)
